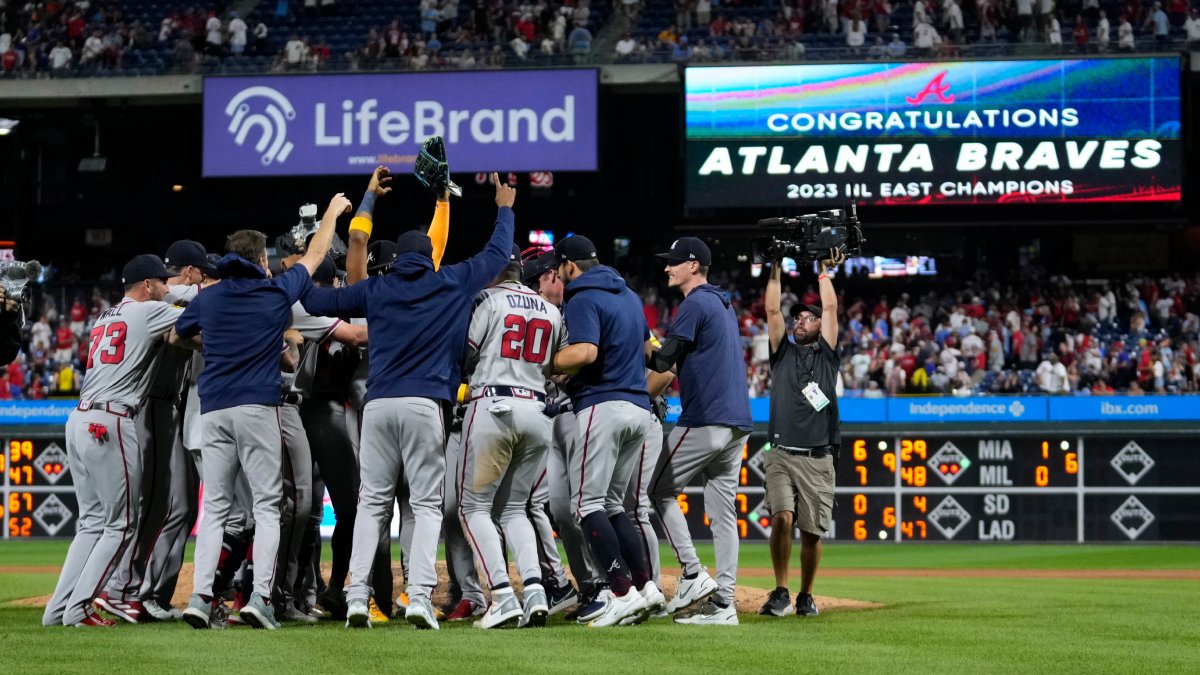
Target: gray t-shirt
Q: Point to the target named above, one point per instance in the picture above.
(794, 422)
(123, 344)
(316, 330)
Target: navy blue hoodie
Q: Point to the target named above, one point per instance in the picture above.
(600, 309)
(712, 374)
(242, 320)
(418, 317)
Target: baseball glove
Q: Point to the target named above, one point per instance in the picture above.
(432, 169)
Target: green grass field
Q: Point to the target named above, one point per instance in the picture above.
(1002, 622)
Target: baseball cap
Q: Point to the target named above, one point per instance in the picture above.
(380, 255)
(688, 248)
(515, 256)
(186, 252)
(535, 268)
(325, 272)
(142, 267)
(575, 248)
(414, 241)
(213, 259)
(800, 307)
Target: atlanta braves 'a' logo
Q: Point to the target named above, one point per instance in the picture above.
(936, 87)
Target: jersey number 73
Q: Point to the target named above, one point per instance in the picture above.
(115, 351)
(527, 340)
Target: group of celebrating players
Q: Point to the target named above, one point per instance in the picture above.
(500, 400)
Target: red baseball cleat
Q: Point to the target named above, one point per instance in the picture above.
(132, 611)
(465, 610)
(94, 620)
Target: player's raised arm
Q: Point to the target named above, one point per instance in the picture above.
(363, 223)
(482, 267)
(439, 228)
(318, 248)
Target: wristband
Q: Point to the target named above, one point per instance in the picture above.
(362, 224)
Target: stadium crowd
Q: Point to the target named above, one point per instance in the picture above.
(1057, 336)
(151, 37)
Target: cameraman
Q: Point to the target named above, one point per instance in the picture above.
(12, 319)
(804, 434)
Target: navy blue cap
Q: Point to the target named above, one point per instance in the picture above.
(575, 248)
(325, 272)
(380, 255)
(143, 267)
(535, 268)
(414, 241)
(688, 248)
(186, 252)
(515, 256)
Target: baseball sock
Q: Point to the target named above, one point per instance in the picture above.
(631, 549)
(607, 548)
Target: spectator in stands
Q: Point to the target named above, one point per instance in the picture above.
(704, 12)
(519, 47)
(185, 56)
(295, 53)
(896, 48)
(954, 20)
(1157, 21)
(625, 47)
(580, 43)
(237, 34)
(856, 35)
(64, 345)
(1103, 40)
(1025, 18)
(1054, 33)
(925, 38)
(829, 16)
(93, 49)
(580, 16)
(682, 52)
(214, 40)
(877, 51)
(260, 38)
(683, 14)
(989, 20)
(1192, 26)
(1125, 41)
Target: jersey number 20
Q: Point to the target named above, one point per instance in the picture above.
(115, 351)
(525, 340)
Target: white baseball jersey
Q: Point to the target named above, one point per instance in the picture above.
(170, 366)
(122, 346)
(513, 338)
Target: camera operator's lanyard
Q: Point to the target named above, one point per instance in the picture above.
(812, 391)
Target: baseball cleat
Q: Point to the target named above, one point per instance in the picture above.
(465, 609)
(504, 610)
(333, 601)
(197, 613)
(401, 606)
(132, 611)
(239, 601)
(293, 613)
(420, 614)
(219, 618)
(536, 607)
(692, 591)
(654, 600)
(159, 612)
(561, 598)
(377, 615)
(779, 603)
(593, 608)
(805, 606)
(93, 620)
(318, 613)
(710, 614)
(618, 607)
(258, 614)
(358, 613)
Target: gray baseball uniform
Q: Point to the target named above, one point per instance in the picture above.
(513, 336)
(637, 499)
(164, 502)
(103, 451)
(579, 553)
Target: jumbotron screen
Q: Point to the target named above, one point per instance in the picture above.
(980, 132)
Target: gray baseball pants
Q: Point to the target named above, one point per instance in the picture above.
(504, 442)
(460, 560)
(638, 504)
(716, 454)
(107, 472)
(249, 437)
(404, 433)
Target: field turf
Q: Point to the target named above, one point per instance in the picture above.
(1004, 620)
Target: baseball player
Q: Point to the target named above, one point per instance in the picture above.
(511, 343)
(166, 473)
(242, 320)
(609, 342)
(705, 345)
(552, 487)
(465, 592)
(103, 448)
(418, 315)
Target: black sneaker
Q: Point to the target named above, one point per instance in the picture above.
(779, 603)
(586, 600)
(805, 605)
(562, 598)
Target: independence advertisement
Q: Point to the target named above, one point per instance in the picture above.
(329, 124)
(979, 132)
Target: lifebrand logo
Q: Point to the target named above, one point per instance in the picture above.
(271, 122)
(936, 87)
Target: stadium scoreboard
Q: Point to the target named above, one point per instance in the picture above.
(994, 486)
(922, 485)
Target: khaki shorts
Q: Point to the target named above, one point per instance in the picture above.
(802, 485)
